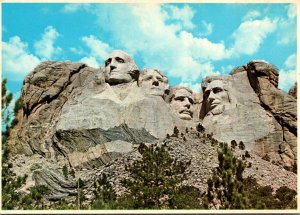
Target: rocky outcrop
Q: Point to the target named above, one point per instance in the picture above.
(189, 146)
(263, 78)
(293, 91)
(253, 110)
(92, 121)
(45, 91)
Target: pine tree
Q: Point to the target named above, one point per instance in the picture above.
(65, 172)
(105, 196)
(225, 188)
(10, 183)
(11, 198)
(80, 195)
(156, 181)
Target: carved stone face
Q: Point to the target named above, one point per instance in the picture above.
(118, 68)
(153, 82)
(215, 97)
(182, 103)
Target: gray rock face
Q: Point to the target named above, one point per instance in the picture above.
(45, 91)
(92, 119)
(247, 106)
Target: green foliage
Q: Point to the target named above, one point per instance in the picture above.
(200, 128)
(105, 196)
(72, 173)
(156, 181)
(63, 205)
(233, 144)
(175, 132)
(80, 195)
(12, 198)
(225, 188)
(247, 154)
(6, 100)
(65, 172)
(10, 183)
(262, 197)
(266, 157)
(286, 198)
(241, 145)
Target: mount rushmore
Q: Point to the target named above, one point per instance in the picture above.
(86, 118)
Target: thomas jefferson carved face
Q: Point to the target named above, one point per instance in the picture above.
(182, 103)
(215, 97)
(119, 68)
(153, 82)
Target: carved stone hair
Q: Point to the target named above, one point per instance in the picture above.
(168, 98)
(211, 78)
(134, 71)
(144, 72)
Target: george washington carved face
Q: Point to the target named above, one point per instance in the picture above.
(215, 97)
(120, 68)
(153, 82)
(182, 102)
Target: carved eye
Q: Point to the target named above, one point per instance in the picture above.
(217, 90)
(180, 98)
(206, 94)
(108, 61)
(159, 79)
(191, 100)
(120, 60)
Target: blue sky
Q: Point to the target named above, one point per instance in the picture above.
(186, 41)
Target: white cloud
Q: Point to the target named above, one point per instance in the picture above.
(287, 79)
(99, 49)
(292, 11)
(44, 48)
(156, 34)
(287, 28)
(90, 61)
(184, 15)
(288, 74)
(17, 61)
(196, 87)
(250, 35)
(161, 46)
(71, 8)
(207, 28)
(251, 15)
(290, 62)
(226, 69)
(202, 48)
(287, 32)
(77, 51)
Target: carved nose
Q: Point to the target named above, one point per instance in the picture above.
(112, 67)
(211, 96)
(187, 103)
(155, 83)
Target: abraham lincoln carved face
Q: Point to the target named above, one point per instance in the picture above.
(215, 96)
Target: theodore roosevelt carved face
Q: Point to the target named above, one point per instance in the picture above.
(153, 81)
(181, 100)
(120, 68)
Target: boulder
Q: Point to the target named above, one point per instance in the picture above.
(293, 91)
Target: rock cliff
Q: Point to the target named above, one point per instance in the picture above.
(92, 120)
